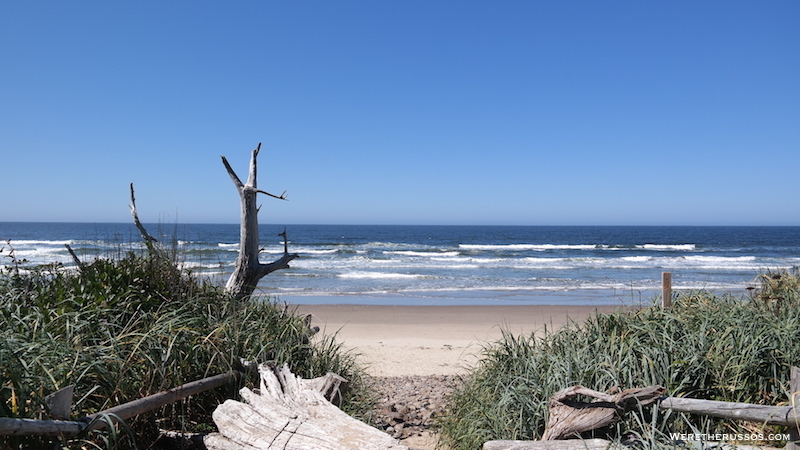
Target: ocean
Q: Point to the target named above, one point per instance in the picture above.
(447, 265)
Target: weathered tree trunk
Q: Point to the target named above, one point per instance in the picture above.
(291, 413)
(570, 418)
(248, 270)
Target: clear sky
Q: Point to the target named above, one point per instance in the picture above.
(403, 112)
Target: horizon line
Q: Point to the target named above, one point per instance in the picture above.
(390, 224)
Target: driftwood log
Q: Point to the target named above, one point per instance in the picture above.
(291, 413)
(569, 418)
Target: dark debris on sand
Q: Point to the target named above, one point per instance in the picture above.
(408, 406)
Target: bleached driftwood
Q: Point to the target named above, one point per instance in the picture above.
(248, 270)
(290, 413)
(569, 418)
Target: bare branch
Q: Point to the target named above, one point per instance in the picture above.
(74, 257)
(252, 178)
(285, 241)
(283, 263)
(148, 239)
(580, 390)
(281, 197)
(234, 177)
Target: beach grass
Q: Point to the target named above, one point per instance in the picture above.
(707, 346)
(122, 329)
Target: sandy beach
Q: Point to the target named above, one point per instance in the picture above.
(433, 340)
(415, 353)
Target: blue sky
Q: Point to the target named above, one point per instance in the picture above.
(403, 112)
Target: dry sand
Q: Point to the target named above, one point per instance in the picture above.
(433, 340)
(414, 353)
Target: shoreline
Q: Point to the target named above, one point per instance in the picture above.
(490, 297)
(411, 340)
(493, 297)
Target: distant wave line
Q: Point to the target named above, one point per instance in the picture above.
(379, 275)
(545, 247)
(426, 254)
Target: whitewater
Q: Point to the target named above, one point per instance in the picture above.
(447, 264)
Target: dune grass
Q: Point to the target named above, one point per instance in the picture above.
(122, 329)
(706, 346)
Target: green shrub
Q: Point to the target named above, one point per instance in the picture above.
(706, 346)
(121, 330)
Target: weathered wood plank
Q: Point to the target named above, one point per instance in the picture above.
(19, 427)
(28, 427)
(771, 415)
(151, 402)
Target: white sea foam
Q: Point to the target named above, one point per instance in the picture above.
(199, 265)
(462, 266)
(417, 253)
(731, 259)
(661, 247)
(637, 258)
(20, 243)
(307, 251)
(524, 247)
(547, 247)
(378, 275)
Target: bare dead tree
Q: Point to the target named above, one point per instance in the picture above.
(248, 270)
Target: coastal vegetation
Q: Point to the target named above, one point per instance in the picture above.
(119, 329)
(706, 346)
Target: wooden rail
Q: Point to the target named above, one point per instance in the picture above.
(770, 415)
(21, 427)
(787, 416)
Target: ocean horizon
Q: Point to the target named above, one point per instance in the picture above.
(446, 265)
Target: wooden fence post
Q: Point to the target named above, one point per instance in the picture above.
(666, 290)
(794, 388)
